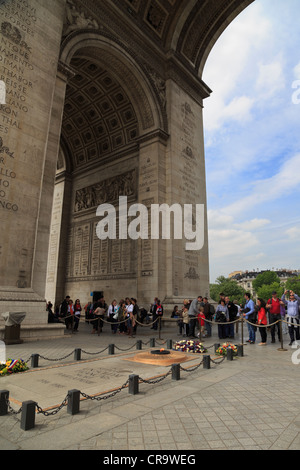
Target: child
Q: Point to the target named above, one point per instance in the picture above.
(201, 322)
(185, 319)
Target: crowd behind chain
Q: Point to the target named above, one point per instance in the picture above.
(199, 314)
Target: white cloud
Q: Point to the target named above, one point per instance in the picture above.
(297, 71)
(284, 182)
(255, 224)
(293, 233)
(252, 141)
(230, 242)
(270, 79)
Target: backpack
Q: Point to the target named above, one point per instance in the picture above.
(159, 310)
(212, 309)
(220, 316)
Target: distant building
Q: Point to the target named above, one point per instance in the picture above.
(246, 278)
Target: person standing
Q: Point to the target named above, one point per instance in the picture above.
(273, 305)
(111, 313)
(77, 313)
(249, 314)
(208, 313)
(70, 315)
(232, 309)
(262, 320)
(292, 314)
(153, 308)
(185, 321)
(222, 316)
(193, 314)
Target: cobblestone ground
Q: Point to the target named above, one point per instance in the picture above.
(250, 403)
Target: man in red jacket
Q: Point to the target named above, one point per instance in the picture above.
(273, 305)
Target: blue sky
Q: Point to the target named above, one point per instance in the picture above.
(252, 141)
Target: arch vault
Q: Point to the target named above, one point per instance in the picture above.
(104, 100)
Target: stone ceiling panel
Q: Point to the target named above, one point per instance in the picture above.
(98, 115)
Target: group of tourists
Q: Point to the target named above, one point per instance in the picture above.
(274, 315)
(200, 314)
(123, 316)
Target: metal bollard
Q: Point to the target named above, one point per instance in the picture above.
(175, 371)
(169, 344)
(152, 342)
(111, 349)
(139, 344)
(4, 397)
(229, 354)
(240, 350)
(206, 362)
(217, 345)
(28, 415)
(77, 354)
(73, 402)
(133, 388)
(34, 360)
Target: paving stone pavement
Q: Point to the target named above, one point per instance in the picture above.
(250, 403)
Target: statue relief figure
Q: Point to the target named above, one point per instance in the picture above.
(77, 20)
(105, 191)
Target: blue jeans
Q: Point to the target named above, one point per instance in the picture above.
(252, 332)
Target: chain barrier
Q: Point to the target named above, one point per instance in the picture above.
(104, 397)
(54, 412)
(107, 395)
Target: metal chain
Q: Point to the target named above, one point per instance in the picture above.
(11, 410)
(192, 369)
(94, 353)
(54, 412)
(149, 381)
(58, 359)
(104, 397)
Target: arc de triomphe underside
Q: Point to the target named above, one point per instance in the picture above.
(103, 102)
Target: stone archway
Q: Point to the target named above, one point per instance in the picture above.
(111, 110)
(154, 50)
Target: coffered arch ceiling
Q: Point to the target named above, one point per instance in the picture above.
(98, 115)
(190, 28)
(109, 103)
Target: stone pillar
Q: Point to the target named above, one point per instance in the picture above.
(187, 270)
(57, 256)
(151, 275)
(30, 44)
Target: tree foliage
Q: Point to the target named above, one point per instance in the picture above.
(293, 283)
(267, 278)
(229, 287)
(265, 291)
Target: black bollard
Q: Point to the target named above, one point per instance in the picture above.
(206, 362)
(111, 349)
(34, 360)
(133, 388)
(240, 350)
(28, 415)
(217, 345)
(169, 344)
(73, 402)
(4, 397)
(139, 344)
(175, 371)
(229, 354)
(152, 342)
(77, 354)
